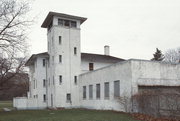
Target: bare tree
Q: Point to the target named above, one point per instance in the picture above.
(172, 55)
(14, 24)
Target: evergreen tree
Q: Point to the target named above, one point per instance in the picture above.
(158, 56)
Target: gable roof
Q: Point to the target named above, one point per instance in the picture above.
(30, 61)
(100, 58)
(84, 56)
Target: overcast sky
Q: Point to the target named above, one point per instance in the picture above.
(132, 28)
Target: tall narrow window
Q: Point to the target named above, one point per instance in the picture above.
(68, 97)
(53, 79)
(116, 88)
(91, 66)
(75, 79)
(44, 98)
(84, 92)
(44, 82)
(98, 91)
(75, 50)
(60, 79)
(44, 62)
(90, 91)
(60, 40)
(106, 90)
(34, 83)
(60, 58)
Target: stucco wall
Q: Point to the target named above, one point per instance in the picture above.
(120, 71)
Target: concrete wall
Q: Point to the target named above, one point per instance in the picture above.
(97, 65)
(120, 71)
(154, 73)
(131, 73)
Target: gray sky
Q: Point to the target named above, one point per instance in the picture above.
(132, 28)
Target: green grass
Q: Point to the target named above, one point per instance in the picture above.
(63, 115)
(5, 104)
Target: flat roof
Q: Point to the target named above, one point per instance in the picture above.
(51, 14)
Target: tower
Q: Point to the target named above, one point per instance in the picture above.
(63, 35)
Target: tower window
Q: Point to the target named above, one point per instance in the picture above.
(60, 79)
(60, 58)
(44, 98)
(53, 79)
(44, 82)
(66, 23)
(60, 22)
(68, 97)
(75, 79)
(75, 50)
(44, 62)
(91, 66)
(59, 40)
(73, 24)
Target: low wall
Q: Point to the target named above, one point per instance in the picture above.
(20, 102)
(23, 103)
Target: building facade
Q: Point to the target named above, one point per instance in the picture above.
(63, 77)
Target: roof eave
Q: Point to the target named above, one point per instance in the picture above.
(51, 14)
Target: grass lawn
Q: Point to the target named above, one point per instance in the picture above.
(6, 104)
(64, 115)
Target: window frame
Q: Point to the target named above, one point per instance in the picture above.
(98, 91)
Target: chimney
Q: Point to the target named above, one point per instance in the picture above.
(106, 50)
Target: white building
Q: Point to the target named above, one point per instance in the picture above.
(64, 77)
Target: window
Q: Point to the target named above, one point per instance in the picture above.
(44, 82)
(59, 40)
(60, 22)
(44, 98)
(68, 97)
(116, 88)
(84, 92)
(52, 59)
(106, 90)
(73, 24)
(49, 81)
(90, 91)
(44, 62)
(66, 23)
(75, 79)
(75, 50)
(34, 83)
(98, 91)
(91, 66)
(60, 58)
(53, 79)
(60, 79)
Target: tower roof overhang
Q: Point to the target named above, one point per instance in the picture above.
(51, 14)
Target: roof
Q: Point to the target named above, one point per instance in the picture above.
(51, 14)
(100, 58)
(30, 61)
(84, 56)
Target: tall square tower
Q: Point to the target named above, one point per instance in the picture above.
(63, 35)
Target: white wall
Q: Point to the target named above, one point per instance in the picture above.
(97, 65)
(131, 73)
(120, 71)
